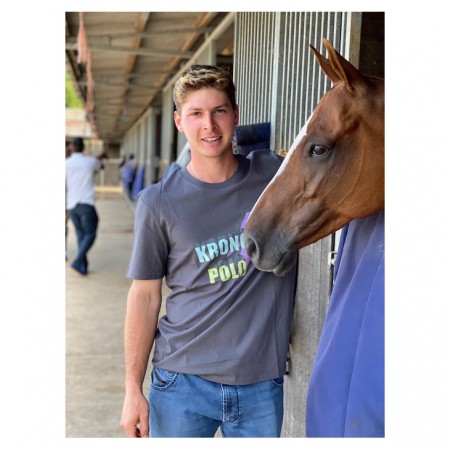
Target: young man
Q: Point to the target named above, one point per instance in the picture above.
(220, 351)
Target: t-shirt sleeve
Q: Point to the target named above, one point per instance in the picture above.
(150, 247)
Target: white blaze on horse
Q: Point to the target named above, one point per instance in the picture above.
(333, 172)
(333, 177)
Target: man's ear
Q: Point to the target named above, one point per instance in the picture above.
(177, 120)
(236, 115)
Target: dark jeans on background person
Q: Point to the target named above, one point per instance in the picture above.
(85, 220)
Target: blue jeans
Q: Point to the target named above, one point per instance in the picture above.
(190, 406)
(85, 221)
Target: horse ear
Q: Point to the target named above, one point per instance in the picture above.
(325, 65)
(341, 69)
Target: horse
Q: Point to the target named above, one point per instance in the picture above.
(332, 178)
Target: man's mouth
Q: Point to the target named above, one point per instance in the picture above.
(211, 139)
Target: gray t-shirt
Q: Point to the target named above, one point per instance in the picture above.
(226, 321)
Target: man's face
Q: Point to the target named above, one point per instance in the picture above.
(208, 121)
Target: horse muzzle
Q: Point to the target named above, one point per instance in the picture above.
(274, 255)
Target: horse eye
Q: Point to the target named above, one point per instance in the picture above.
(319, 151)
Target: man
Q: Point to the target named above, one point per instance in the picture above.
(220, 351)
(80, 192)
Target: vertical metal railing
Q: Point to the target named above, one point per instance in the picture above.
(253, 65)
(275, 72)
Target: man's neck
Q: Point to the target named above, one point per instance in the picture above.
(213, 170)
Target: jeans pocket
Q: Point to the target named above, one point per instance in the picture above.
(163, 379)
(278, 382)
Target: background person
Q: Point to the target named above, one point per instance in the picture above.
(80, 191)
(68, 153)
(128, 173)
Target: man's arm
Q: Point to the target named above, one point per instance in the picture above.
(99, 164)
(143, 306)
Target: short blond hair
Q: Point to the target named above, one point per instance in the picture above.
(201, 76)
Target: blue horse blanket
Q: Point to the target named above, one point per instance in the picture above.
(346, 391)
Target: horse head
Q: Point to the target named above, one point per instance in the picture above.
(333, 172)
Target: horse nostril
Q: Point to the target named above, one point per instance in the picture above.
(250, 247)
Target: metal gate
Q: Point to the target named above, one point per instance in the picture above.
(277, 78)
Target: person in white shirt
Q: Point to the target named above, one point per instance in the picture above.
(80, 191)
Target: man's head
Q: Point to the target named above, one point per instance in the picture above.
(198, 77)
(78, 144)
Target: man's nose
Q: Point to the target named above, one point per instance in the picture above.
(209, 122)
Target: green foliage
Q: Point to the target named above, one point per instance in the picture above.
(72, 98)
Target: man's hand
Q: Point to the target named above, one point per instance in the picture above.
(135, 415)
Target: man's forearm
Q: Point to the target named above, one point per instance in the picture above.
(140, 328)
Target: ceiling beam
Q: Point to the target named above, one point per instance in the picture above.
(100, 38)
(121, 85)
(134, 51)
(121, 104)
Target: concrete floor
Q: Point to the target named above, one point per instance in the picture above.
(95, 314)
